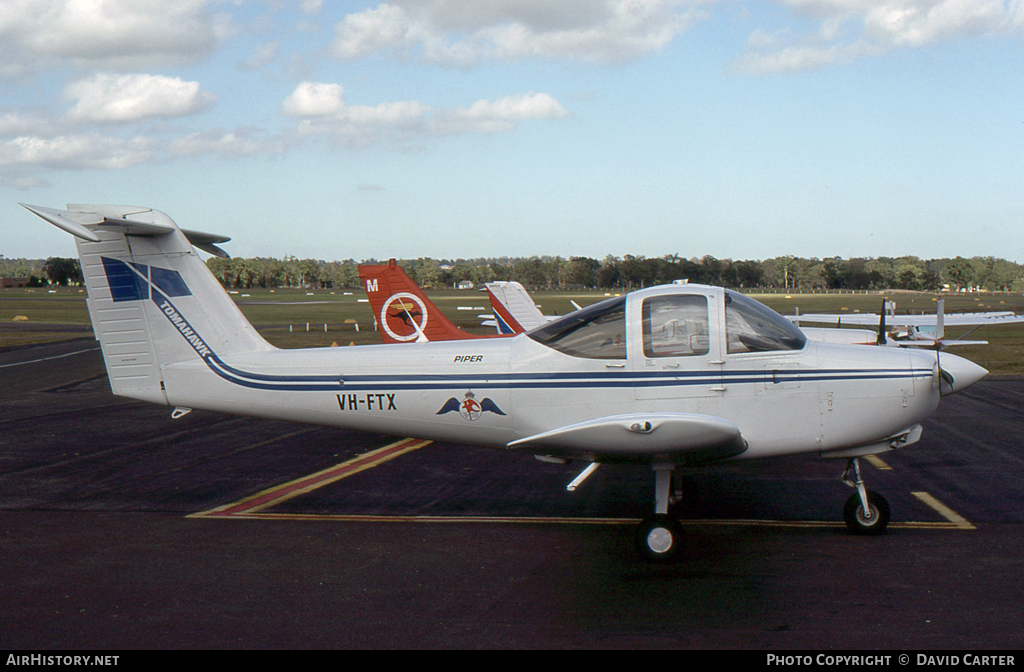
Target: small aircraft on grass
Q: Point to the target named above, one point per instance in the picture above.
(666, 377)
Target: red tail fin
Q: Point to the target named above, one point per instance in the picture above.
(403, 312)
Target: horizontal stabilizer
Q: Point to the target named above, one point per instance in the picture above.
(206, 242)
(677, 437)
(84, 220)
(72, 222)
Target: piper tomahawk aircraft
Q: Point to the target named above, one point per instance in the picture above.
(677, 375)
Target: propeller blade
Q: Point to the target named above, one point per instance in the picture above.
(881, 325)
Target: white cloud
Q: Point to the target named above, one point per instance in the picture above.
(76, 151)
(17, 123)
(485, 116)
(106, 97)
(230, 145)
(462, 32)
(114, 34)
(323, 112)
(314, 99)
(851, 29)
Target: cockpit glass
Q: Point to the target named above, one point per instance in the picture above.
(595, 332)
(754, 327)
(676, 325)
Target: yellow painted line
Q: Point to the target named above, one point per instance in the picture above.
(946, 512)
(877, 462)
(555, 520)
(285, 491)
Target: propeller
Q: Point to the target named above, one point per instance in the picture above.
(881, 324)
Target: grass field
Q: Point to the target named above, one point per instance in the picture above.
(282, 316)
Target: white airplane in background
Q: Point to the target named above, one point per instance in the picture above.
(927, 331)
(514, 309)
(666, 377)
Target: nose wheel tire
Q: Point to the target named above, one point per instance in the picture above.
(659, 538)
(859, 523)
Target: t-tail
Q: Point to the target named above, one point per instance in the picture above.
(151, 299)
(403, 312)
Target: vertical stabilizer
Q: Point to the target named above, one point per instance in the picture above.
(403, 312)
(514, 307)
(151, 299)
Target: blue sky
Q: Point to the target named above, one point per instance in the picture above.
(465, 128)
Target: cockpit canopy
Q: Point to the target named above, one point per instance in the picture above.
(751, 326)
(673, 324)
(595, 332)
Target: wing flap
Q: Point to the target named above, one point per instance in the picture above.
(641, 437)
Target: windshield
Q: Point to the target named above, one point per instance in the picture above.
(595, 332)
(754, 327)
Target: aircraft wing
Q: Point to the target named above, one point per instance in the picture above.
(962, 319)
(641, 437)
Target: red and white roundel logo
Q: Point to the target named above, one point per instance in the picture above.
(470, 408)
(403, 316)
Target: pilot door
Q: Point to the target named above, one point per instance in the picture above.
(680, 353)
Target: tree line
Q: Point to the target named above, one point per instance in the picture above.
(60, 271)
(612, 273)
(633, 272)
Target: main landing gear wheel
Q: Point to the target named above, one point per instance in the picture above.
(659, 538)
(866, 512)
(860, 523)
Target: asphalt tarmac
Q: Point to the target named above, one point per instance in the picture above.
(121, 528)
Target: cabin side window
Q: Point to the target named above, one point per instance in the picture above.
(751, 326)
(595, 332)
(676, 326)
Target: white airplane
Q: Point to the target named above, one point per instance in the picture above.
(666, 377)
(926, 331)
(515, 312)
(514, 309)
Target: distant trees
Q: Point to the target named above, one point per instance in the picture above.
(63, 271)
(21, 268)
(634, 271)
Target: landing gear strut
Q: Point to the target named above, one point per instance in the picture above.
(659, 538)
(866, 512)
